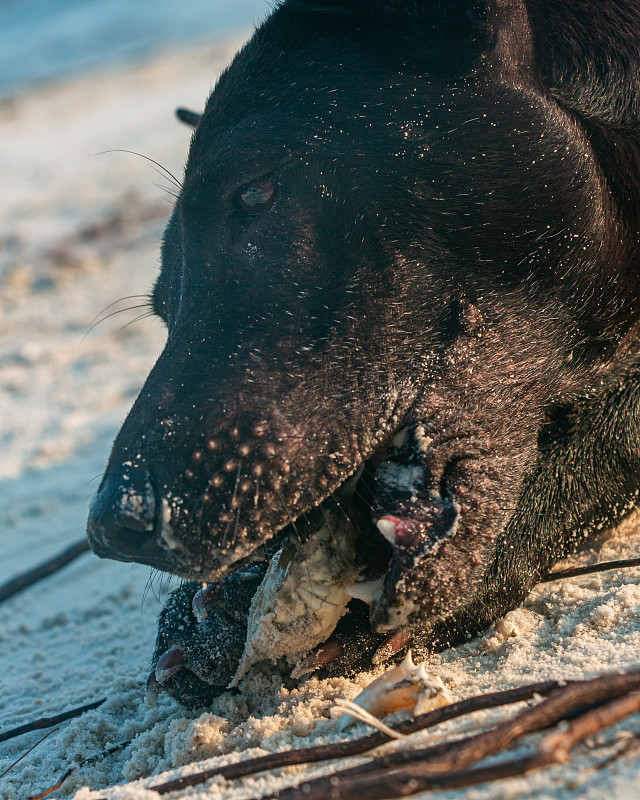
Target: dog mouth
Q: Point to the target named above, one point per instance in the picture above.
(338, 559)
(343, 547)
(352, 502)
(355, 500)
(131, 520)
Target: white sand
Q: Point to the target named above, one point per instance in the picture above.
(78, 231)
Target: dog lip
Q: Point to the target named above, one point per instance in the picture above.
(227, 562)
(133, 546)
(221, 561)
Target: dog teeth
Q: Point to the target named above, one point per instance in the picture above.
(424, 443)
(387, 528)
(168, 664)
(168, 537)
(400, 438)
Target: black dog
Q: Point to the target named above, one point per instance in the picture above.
(394, 214)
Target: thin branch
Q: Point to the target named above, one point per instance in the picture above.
(626, 748)
(49, 567)
(324, 752)
(449, 769)
(408, 781)
(560, 743)
(49, 722)
(24, 755)
(91, 760)
(558, 706)
(604, 566)
(53, 788)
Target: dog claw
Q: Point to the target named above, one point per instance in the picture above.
(323, 655)
(152, 690)
(205, 599)
(391, 645)
(168, 664)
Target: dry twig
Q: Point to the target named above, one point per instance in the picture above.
(445, 765)
(49, 722)
(576, 572)
(561, 742)
(626, 748)
(324, 752)
(24, 755)
(448, 768)
(49, 567)
(91, 760)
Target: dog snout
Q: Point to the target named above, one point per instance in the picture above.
(122, 520)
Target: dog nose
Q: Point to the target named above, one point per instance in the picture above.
(122, 520)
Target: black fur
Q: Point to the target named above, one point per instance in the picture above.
(396, 214)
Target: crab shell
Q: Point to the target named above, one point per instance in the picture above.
(405, 686)
(302, 597)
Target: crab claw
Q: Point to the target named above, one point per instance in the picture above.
(391, 645)
(406, 686)
(325, 654)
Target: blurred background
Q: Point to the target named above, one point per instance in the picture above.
(48, 39)
(88, 90)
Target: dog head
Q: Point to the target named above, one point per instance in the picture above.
(385, 212)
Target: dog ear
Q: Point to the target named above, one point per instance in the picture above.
(190, 118)
(590, 58)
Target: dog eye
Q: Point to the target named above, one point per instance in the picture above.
(257, 197)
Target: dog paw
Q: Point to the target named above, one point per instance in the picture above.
(201, 637)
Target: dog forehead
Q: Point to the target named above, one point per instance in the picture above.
(247, 122)
(304, 81)
(299, 86)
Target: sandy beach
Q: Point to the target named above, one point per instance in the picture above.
(80, 227)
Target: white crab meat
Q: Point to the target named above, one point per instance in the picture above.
(302, 596)
(367, 591)
(406, 686)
